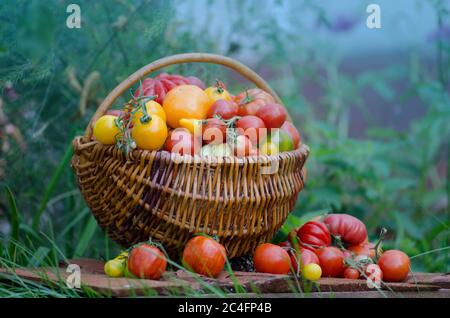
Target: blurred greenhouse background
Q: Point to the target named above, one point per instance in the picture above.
(372, 104)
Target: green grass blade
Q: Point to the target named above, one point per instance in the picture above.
(37, 258)
(86, 236)
(14, 221)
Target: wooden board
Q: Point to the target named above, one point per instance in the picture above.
(181, 283)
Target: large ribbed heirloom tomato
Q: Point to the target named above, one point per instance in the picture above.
(314, 234)
(350, 229)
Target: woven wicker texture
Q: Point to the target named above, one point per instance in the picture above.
(169, 198)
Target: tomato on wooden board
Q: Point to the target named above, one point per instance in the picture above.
(331, 260)
(312, 272)
(150, 135)
(273, 115)
(106, 130)
(204, 256)
(395, 265)
(147, 261)
(303, 255)
(367, 249)
(289, 128)
(185, 101)
(181, 141)
(313, 234)
(350, 229)
(251, 100)
(226, 109)
(271, 258)
(351, 273)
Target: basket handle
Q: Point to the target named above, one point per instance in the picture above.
(178, 59)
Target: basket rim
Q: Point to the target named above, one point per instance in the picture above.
(80, 143)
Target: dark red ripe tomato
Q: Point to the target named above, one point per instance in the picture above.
(273, 115)
(181, 141)
(367, 249)
(147, 261)
(204, 256)
(331, 261)
(313, 235)
(395, 265)
(347, 227)
(273, 259)
(214, 131)
(290, 129)
(253, 127)
(351, 273)
(223, 108)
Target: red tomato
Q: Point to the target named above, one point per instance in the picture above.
(223, 108)
(242, 146)
(273, 259)
(331, 260)
(304, 255)
(147, 261)
(204, 256)
(367, 249)
(313, 235)
(195, 81)
(395, 265)
(253, 127)
(251, 100)
(351, 273)
(290, 129)
(347, 227)
(214, 131)
(273, 115)
(181, 141)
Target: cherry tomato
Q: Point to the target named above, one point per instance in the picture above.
(253, 127)
(147, 261)
(106, 130)
(305, 256)
(367, 249)
(273, 259)
(185, 101)
(181, 141)
(347, 227)
(331, 260)
(289, 128)
(215, 131)
(224, 108)
(351, 273)
(313, 235)
(150, 135)
(312, 272)
(273, 115)
(204, 256)
(152, 108)
(251, 100)
(395, 265)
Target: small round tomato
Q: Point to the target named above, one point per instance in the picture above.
(106, 130)
(181, 141)
(224, 108)
(214, 131)
(350, 229)
(147, 261)
(273, 259)
(289, 128)
(115, 267)
(185, 101)
(331, 260)
(312, 272)
(313, 235)
(218, 92)
(367, 249)
(395, 265)
(152, 108)
(150, 135)
(273, 115)
(204, 256)
(351, 273)
(253, 127)
(305, 256)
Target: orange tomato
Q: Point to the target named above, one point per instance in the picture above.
(185, 101)
(150, 135)
(216, 92)
(152, 107)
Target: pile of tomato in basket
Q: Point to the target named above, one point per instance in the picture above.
(178, 114)
(334, 245)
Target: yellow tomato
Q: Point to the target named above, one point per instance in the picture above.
(193, 125)
(115, 268)
(269, 148)
(185, 101)
(150, 135)
(216, 93)
(105, 129)
(312, 272)
(152, 107)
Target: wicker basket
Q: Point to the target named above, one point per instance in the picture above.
(155, 194)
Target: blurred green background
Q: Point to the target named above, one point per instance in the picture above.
(372, 104)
